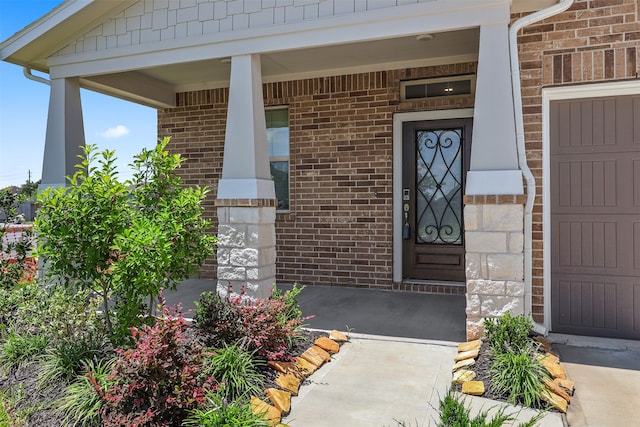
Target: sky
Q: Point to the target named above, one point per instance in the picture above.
(109, 123)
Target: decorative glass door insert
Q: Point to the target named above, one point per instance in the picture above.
(439, 186)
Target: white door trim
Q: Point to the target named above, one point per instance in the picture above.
(595, 90)
(398, 120)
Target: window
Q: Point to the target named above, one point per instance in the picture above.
(278, 140)
(439, 87)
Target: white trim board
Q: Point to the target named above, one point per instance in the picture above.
(594, 90)
(398, 120)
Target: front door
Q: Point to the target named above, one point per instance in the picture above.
(435, 163)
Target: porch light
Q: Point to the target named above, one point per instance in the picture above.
(424, 37)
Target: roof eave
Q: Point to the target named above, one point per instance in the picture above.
(31, 46)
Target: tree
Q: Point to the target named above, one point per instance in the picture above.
(124, 241)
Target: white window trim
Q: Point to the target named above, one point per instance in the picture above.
(398, 120)
(594, 90)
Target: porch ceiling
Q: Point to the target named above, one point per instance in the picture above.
(444, 48)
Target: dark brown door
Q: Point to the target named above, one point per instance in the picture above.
(436, 159)
(595, 216)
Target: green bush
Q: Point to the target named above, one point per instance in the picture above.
(124, 241)
(518, 377)
(235, 371)
(508, 334)
(219, 412)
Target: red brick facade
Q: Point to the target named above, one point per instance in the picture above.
(594, 41)
(339, 228)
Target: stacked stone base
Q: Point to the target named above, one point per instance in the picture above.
(494, 259)
(246, 246)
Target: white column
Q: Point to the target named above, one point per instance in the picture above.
(65, 132)
(494, 159)
(245, 170)
(246, 202)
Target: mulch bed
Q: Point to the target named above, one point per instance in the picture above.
(42, 399)
(481, 368)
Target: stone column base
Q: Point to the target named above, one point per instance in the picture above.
(494, 259)
(246, 246)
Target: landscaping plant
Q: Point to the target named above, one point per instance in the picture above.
(508, 333)
(258, 325)
(158, 380)
(123, 241)
(519, 376)
(220, 412)
(235, 371)
(454, 413)
(81, 404)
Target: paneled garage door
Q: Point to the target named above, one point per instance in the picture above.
(595, 216)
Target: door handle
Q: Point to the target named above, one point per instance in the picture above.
(406, 228)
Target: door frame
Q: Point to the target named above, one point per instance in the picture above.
(398, 120)
(592, 90)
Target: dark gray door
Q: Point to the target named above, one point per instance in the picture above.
(436, 160)
(595, 216)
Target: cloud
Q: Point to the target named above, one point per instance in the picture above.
(115, 132)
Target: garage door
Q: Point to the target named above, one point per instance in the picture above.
(595, 216)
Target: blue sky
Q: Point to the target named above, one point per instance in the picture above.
(110, 123)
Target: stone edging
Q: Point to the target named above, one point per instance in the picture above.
(290, 376)
(558, 391)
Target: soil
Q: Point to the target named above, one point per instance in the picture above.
(35, 407)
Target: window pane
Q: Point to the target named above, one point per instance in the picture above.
(278, 140)
(277, 121)
(280, 176)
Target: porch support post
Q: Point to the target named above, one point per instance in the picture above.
(494, 158)
(65, 132)
(246, 201)
(494, 194)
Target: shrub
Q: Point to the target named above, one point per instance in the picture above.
(125, 241)
(235, 371)
(262, 326)
(81, 403)
(219, 317)
(518, 376)
(257, 324)
(158, 380)
(219, 412)
(508, 333)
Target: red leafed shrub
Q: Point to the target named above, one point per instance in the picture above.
(158, 380)
(262, 325)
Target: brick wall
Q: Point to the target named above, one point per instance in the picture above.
(339, 228)
(594, 41)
